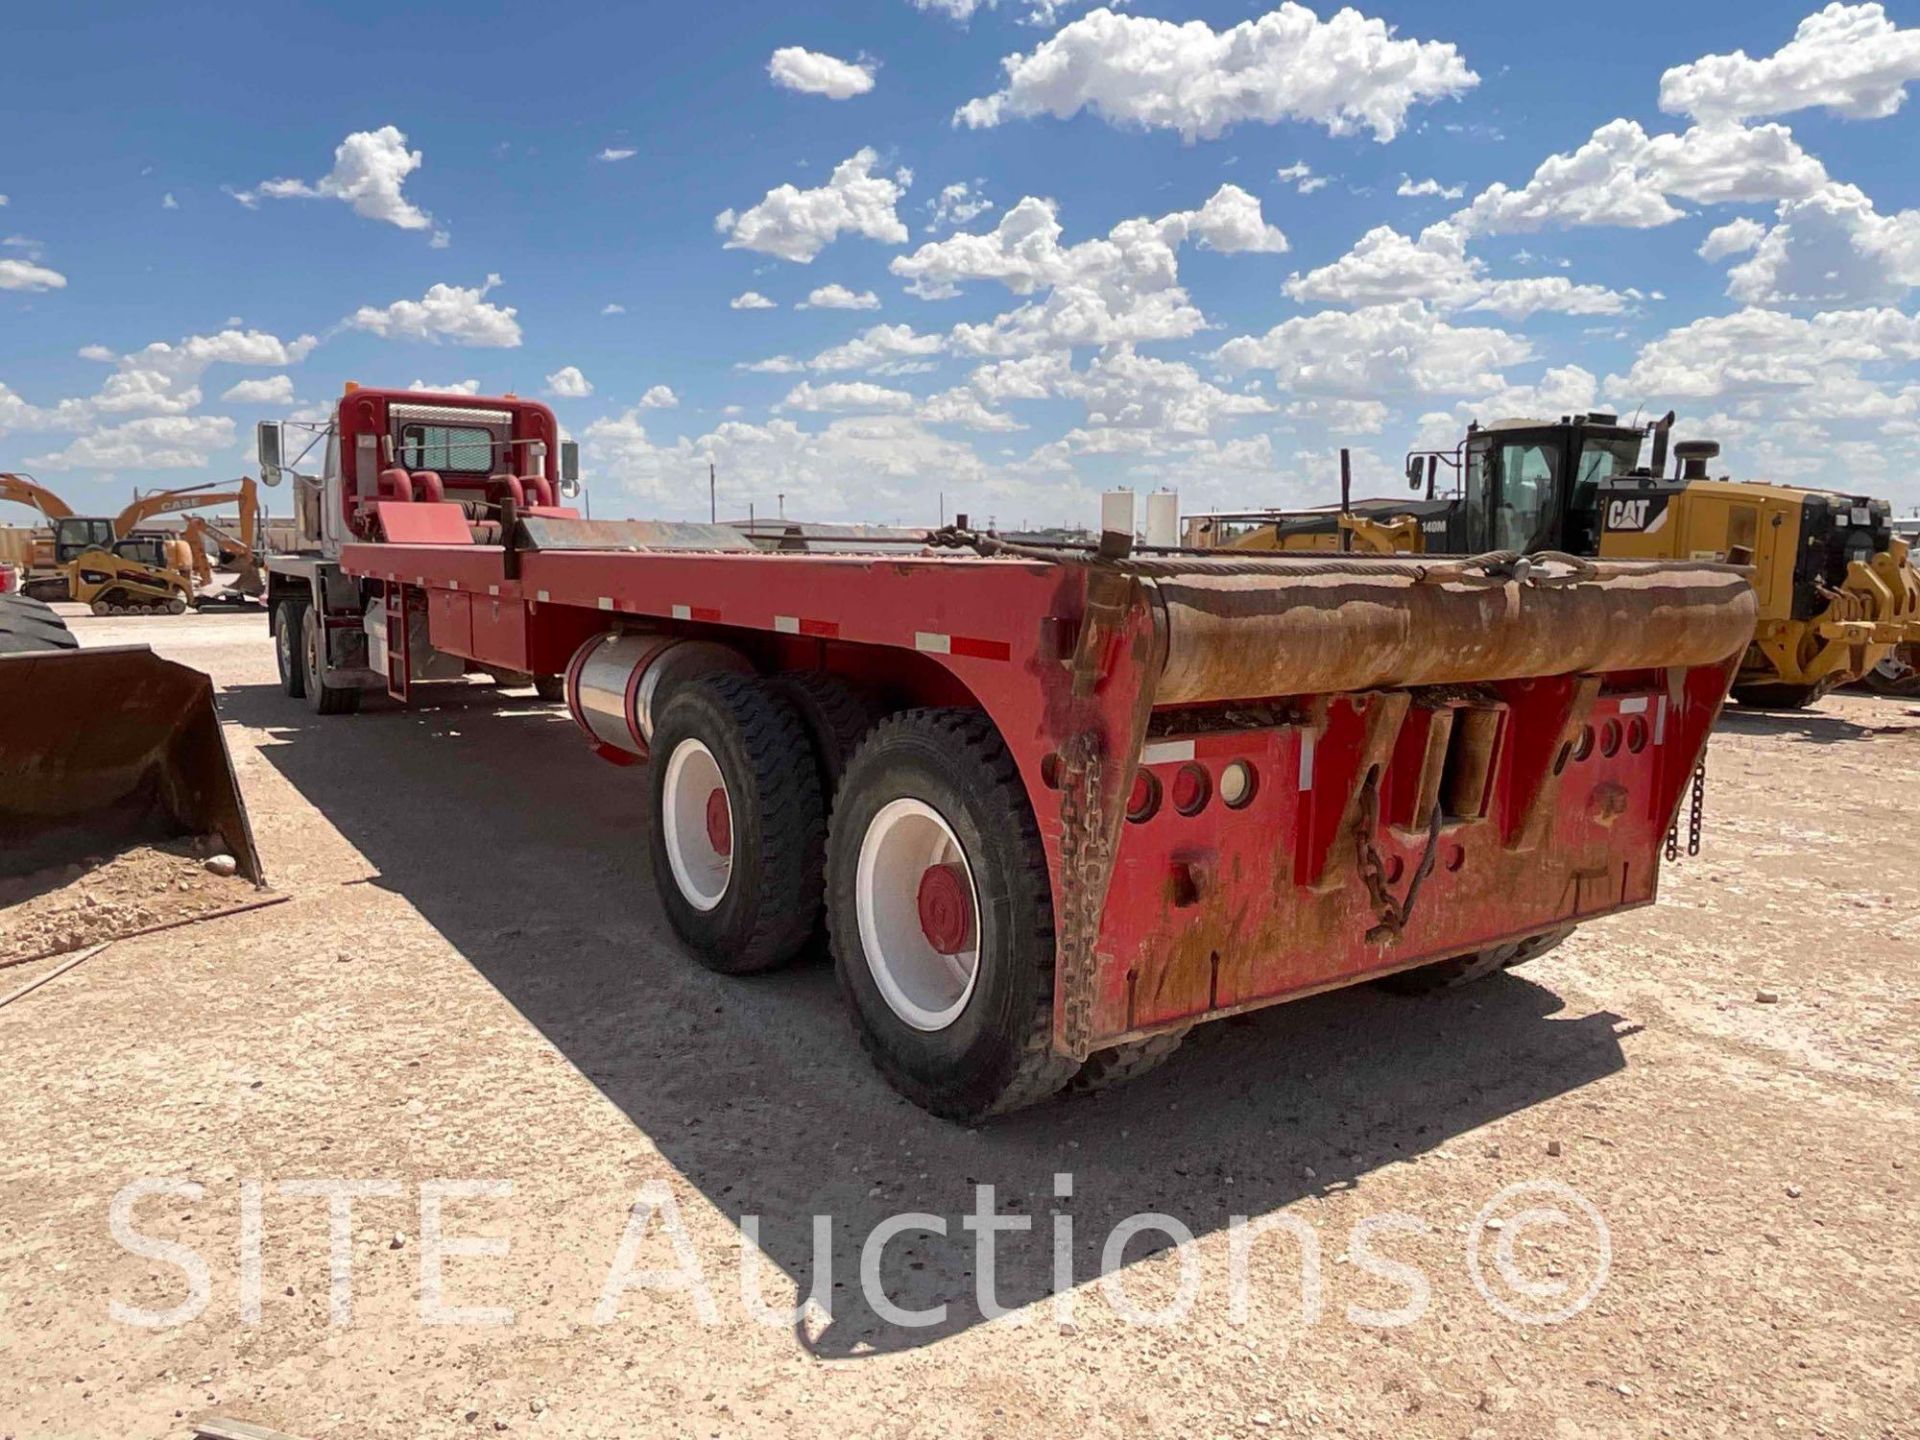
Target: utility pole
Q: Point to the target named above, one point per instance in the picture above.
(713, 496)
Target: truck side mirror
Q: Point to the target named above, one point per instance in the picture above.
(267, 445)
(569, 468)
(1415, 472)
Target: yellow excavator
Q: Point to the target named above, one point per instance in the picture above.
(1838, 598)
(239, 550)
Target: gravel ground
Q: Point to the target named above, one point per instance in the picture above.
(473, 982)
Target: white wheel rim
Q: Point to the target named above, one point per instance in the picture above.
(700, 868)
(924, 987)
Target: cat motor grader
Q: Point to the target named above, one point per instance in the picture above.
(1838, 600)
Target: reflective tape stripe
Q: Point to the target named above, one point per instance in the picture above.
(787, 624)
(606, 602)
(961, 645)
(1166, 752)
(1306, 760)
(683, 612)
(1634, 705)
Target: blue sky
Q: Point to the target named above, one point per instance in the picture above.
(1271, 292)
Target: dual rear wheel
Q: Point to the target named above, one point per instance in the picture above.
(930, 873)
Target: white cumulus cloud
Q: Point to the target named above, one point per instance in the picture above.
(458, 313)
(1384, 267)
(956, 205)
(812, 73)
(659, 397)
(845, 395)
(839, 297)
(153, 442)
(370, 167)
(567, 383)
(751, 300)
(797, 224)
(1121, 288)
(272, 390)
(1849, 59)
(27, 276)
(1736, 237)
(1412, 188)
(1348, 73)
(1622, 176)
(1379, 349)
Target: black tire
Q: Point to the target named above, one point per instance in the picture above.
(289, 636)
(322, 698)
(1900, 680)
(27, 625)
(778, 821)
(550, 687)
(1465, 969)
(1778, 697)
(838, 716)
(1123, 1063)
(997, 1053)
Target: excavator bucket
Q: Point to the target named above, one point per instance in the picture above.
(109, 747)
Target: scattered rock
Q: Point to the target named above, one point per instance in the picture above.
(1793, 1192)
(222, 865)
(1553, 1147)
(399, 1242)
(1766, 997)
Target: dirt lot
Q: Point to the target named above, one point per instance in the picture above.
(473, 982)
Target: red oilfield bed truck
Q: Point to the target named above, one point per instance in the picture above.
(1057, 806)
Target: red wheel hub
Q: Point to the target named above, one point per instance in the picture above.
(719, 822)
(946, 908)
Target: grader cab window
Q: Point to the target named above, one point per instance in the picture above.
(1524, 514)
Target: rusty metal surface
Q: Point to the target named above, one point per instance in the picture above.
(1238, 631)
(113, 739)
(546, 532)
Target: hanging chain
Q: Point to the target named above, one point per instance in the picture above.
(1698, 811)
(1394, 914)
(1696, 814)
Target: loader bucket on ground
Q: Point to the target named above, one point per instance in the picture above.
(108, 747)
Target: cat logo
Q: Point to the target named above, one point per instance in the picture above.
(1643, 514)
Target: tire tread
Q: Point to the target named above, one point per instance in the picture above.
(1039, 1072)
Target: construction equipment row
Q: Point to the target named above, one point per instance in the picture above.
(1838, 599)
(123, 565)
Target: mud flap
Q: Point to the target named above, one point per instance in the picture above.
(104, 747)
